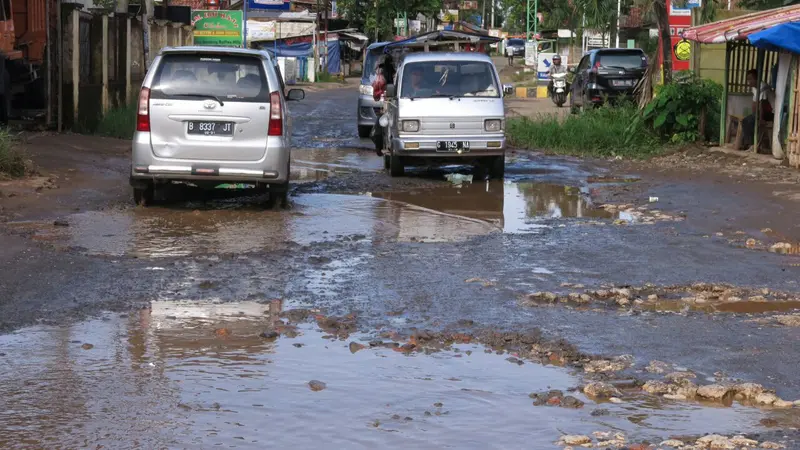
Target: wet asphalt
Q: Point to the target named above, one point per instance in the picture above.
(398, 253)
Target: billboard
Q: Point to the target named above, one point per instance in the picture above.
(683, 8)
(280, 5)
(219, 28)
(469, 5)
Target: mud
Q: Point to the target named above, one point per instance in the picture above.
(172, 364)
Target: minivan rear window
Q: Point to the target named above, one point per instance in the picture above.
(227, 77)
(625, 60)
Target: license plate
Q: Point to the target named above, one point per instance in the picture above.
(210, 128)
(622, 82)
(452, 146)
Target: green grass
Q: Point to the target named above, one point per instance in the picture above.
(118, 123)
(12, 159)
(327, 77)
(598, 132)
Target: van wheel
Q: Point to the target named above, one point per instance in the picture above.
(396, 166)
(496, 166)
(143, 196)
(364, 131)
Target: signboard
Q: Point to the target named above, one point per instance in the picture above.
(682, 50)
(469, 4)
(219, 28)
(414, 26)
(280, 5)
(680, 8)
(531, 48)
(260, 31)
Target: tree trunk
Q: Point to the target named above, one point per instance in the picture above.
(660, 10)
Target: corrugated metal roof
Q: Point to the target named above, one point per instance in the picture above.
(738, 28)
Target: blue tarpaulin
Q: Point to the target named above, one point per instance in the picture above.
(779, 37)
(306, 50)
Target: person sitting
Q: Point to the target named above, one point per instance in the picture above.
(760, 97)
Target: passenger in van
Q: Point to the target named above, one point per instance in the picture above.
(416, 88)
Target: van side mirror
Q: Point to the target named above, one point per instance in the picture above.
(508, 89)
(295, 95)
(391, 90)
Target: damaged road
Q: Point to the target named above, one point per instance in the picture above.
(631, 280)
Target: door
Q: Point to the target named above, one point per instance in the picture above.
(579, 81)
(209, 106)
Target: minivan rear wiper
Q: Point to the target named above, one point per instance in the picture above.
(208, 96)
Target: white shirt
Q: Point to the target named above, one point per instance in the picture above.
(763, 94)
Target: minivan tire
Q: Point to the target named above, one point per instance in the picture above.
(396, 166)
(143, 196)
(364, 131)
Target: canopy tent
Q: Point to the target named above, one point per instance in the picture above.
(740, 28)
(441, 37)
(785, 36)
(305, 50)
(756, 39)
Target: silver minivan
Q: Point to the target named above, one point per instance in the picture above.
(209, 116)
(368, 108)
(446, 108)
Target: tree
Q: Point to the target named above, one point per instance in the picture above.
(369, 15)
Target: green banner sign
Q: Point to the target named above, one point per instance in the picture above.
(220, 28)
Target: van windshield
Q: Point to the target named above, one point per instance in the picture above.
(228, 77)
(449, 79)
(371, 61)
(625, 60)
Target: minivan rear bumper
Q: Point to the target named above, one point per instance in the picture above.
(425, 146)
(272, 168)
(597, 94)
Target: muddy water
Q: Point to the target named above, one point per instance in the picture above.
(215, 228)
(169, 376)
(514, 207)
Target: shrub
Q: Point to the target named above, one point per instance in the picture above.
(686, 110)
(119, 122)
(12, 159)
(596, 132)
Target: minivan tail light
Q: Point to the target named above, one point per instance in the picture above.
(143, 112)
(275, 115)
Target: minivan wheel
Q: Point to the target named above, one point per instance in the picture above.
(396, 166)
(364, 131)
(143, 196)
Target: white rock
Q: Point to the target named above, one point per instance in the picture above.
(749, 390)
(716, 442)
(674, 443)
(599, 389)
(783, 404)
(766, 398)
(772, 445)
(713, 391)
(741, 441)
(575, 439)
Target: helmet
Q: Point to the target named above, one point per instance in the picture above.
(557, 58)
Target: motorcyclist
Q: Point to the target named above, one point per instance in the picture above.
(555, 69)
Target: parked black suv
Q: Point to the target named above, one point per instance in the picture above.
(606, 74)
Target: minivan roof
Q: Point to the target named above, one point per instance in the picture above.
(375, 45)
(451, 56)
(212, 49)
(615, 50)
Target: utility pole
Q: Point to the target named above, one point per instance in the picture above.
(244, 24)
(619, 8)
(532, 18)
(483, 16)
(491, 24)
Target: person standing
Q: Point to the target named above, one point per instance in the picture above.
(760, 98)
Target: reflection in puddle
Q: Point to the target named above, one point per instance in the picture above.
(514, 207)
(170, 231)
(183, 374)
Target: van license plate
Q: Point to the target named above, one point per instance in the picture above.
(210, 128)
(452, 146)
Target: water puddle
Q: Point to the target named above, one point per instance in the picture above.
(513, 207)
(218, 228)
(202, 374)
(307, 164)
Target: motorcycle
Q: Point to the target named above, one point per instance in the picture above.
(559, 92)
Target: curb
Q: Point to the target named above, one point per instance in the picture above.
(536, 92)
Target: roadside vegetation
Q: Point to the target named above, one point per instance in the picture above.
(12, 158)
(119, 122)
(685, 111)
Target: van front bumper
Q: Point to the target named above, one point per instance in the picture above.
(426, 146)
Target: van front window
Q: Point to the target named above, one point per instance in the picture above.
(449, 79)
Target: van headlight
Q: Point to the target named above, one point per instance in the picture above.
(493, 125)
(411, 126)
(365, 89)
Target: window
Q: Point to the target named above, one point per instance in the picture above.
(370, 65)
(584, 64)
(227, 77)
(516, 42)
(449, 79)
(623, 60)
